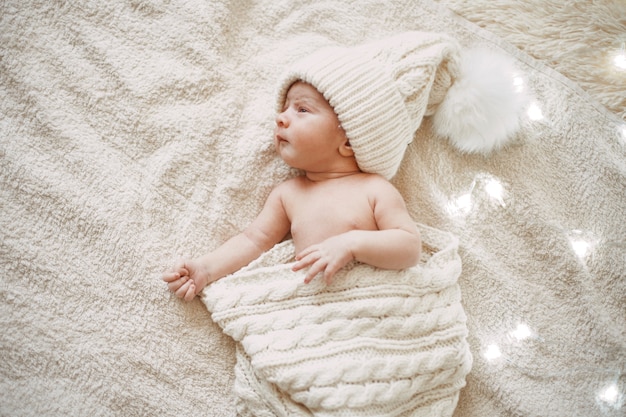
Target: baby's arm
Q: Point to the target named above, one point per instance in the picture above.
(189, 277)
(395, 245)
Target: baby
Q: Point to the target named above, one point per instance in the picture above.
(345, 118)
(335, 212)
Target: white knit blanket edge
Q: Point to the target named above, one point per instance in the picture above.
(374, 343)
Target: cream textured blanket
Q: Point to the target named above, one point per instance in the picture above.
(375, 343)
(136, 131)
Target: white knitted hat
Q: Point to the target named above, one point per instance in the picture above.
(381, 91)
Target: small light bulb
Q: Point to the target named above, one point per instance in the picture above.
(460, 205)
(582, 242)
(492, 353)
(534, 112)
(581, 247)
(611, 396)
(522, 332)
(620, 60)
(496, 190)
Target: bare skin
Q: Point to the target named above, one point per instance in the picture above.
(335, 212)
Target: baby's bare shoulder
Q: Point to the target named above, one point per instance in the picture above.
(376, 183)
(290, 185)
(290, 189)
(381, 192)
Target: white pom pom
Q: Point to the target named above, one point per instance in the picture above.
(481, 110)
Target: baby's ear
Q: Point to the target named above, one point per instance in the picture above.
(345, 149)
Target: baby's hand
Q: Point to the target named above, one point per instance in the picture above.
(327, 257)
(186, 279)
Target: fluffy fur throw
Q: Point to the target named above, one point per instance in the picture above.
(375, 343)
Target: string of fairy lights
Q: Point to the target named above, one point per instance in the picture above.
(610, 396)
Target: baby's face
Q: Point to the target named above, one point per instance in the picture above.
(308, 132)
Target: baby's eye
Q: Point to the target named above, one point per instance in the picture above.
(302, 110)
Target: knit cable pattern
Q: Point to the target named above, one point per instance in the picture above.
(374, 343)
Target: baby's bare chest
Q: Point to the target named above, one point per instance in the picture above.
(317, 214)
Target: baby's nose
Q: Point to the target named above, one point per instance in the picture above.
(281, 119)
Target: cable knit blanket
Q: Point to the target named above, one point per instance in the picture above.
(375, 343)
(136, 131)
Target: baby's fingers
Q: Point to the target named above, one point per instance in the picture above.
(182, 291)
(306, 252)
(315, 269)
(304, 260)
(175, 285)
(191, 292)
(300, 265)
(170, 276)
(329, 273)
